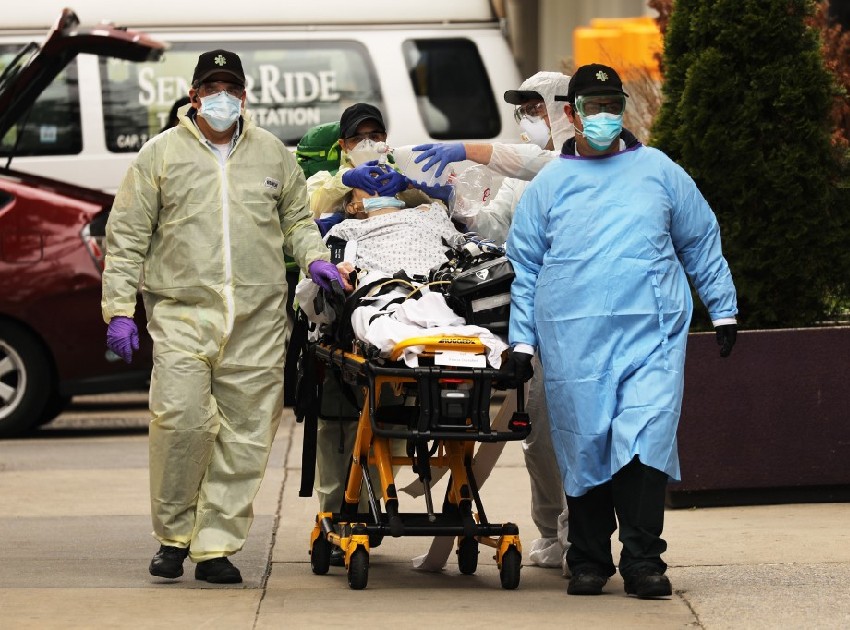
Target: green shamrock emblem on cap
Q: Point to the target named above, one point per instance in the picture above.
(601, 76)
(220, 60)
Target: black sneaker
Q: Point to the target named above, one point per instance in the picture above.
(168, 562)
(648, 585)
(217, 571)
(586, 584)
(337, 557)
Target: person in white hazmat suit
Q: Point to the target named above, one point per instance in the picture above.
(545, 125)
(602, 244)
(206, 212)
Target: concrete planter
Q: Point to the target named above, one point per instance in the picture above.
(769, 424)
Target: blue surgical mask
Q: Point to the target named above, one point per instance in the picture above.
(377, 203)
(220, 110)
(601, 130)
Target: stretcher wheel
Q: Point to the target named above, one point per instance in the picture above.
(511, 564)
(320, 556)
(358, 569)
(467, 555)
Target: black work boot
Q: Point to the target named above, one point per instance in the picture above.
(648, 585)
(586, 584)
(168, 562)
(217, 571)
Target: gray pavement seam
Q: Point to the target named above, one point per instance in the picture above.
(290, 427)
(697, 623)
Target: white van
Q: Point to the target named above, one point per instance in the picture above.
(437, 70)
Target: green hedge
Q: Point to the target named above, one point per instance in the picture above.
(746, 113)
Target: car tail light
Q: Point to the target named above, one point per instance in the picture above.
(96, 246)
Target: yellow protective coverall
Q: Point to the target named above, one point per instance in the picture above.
(209, 235)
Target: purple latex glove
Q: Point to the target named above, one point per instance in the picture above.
(442, 192)
(122, 337)
(444, 153)
(375, 179)
(324, 273)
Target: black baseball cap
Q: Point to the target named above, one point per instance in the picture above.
(356, 114)
(218, 62)
(518, 97)
(593, 78)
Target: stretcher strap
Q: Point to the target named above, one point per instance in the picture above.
(307, 404)
(345, 332)
(297, 343)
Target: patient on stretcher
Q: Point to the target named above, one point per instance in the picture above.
(383, 235)
(383, 238)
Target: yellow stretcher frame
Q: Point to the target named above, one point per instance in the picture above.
(453, 446)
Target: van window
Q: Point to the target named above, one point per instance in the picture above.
(52, 126)
(452, 88)
(291, 86)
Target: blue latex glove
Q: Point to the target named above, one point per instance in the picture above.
(122, 337)
(444, 153)
(324, 273)
(392, 183)
(375, 179)
(443, 192)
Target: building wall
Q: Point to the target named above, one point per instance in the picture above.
(558, 18)
(541, 31)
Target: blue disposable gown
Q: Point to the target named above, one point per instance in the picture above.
(600, 248)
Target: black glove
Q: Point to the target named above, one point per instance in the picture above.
(515, 370)
(726, 338)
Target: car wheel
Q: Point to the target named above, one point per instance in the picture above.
(56, 404)
(26, 381)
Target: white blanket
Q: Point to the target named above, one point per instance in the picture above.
(428, 315)
(384, 325)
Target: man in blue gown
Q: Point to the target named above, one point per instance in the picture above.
(601, 243)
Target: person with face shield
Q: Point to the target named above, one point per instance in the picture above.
(602, 244)
(204, 217)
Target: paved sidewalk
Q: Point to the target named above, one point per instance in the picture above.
(76, 547)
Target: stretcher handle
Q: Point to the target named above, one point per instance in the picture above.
(520, 421)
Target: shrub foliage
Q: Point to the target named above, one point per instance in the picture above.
(746, 111)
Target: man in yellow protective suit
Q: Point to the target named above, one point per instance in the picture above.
(204, 215)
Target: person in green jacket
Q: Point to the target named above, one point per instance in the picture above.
(204, 217)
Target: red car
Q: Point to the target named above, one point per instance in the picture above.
(52, 336)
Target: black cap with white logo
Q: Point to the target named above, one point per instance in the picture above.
(593, 78)
(218, 62)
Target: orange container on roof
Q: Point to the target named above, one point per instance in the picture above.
(629, 45)
(598, 45)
